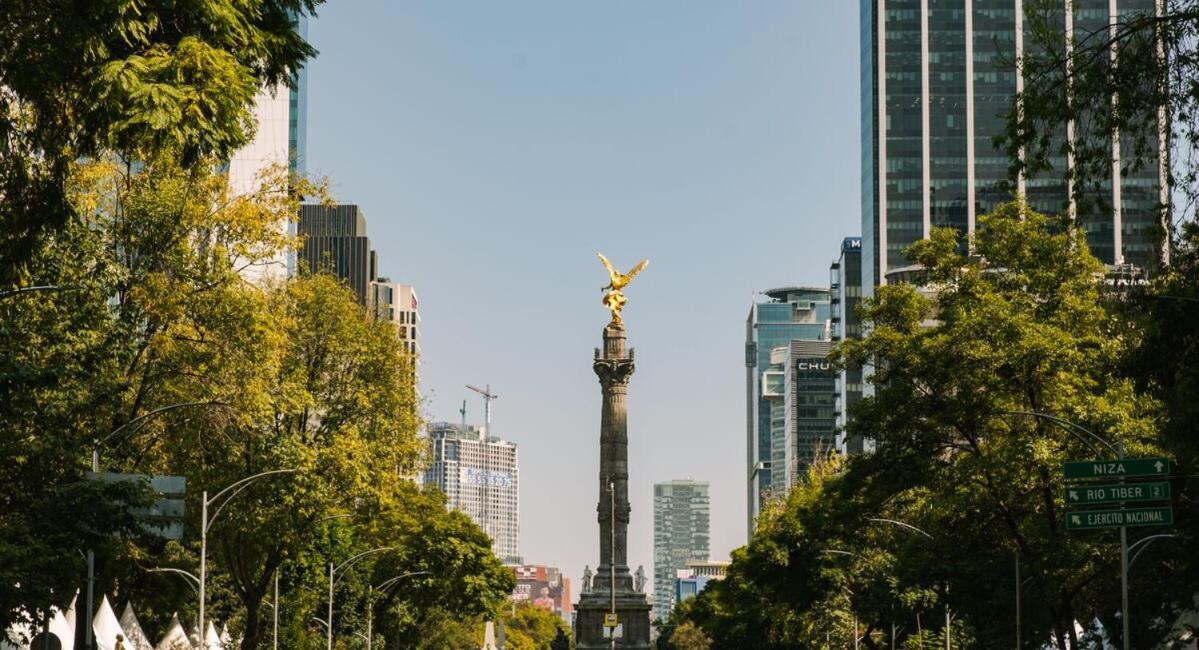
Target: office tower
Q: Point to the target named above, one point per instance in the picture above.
(845, 285)
(936, 79)
(790, 313)
(479, 476)
(396, 303)
(810, 424)
(335, 242)
(280, 140)
(681, 535)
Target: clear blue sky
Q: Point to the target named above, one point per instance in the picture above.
(496, 146)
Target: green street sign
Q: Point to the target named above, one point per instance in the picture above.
(1131, 518)
(1127, 468)
(1115, 492)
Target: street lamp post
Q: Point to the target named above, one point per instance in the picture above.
(381, 589)
(206, 523)
(333, 571)
(1078, 431)
(904, 524)
(96, 444)
(853, 613)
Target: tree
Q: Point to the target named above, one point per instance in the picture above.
(93, 361)
(690, 637)
(135, 79)
(1018, 325)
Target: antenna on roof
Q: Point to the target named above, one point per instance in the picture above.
(463, 412)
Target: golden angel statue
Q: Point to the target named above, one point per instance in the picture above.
(615, 299)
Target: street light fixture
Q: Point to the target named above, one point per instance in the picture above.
(904, 524)
(96, 444)
(333, 574)
(382, 588)
(206, 523)
(1078, 432)
(848, 600)
(192, 580)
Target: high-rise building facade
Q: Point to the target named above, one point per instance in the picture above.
(790, 313)
(682, 520)
(397, 304)
(810, 423)
(335, 242)
(280, 141)
(936, 81)
(845, 285)
(479, 476)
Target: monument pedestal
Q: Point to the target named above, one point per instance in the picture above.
(632, 612)
(613, 588)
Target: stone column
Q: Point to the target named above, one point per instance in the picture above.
(614, 366)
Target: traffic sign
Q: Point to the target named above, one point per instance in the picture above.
(610, 620)
(1127, 468)
(1115, 492)
(1132, 517)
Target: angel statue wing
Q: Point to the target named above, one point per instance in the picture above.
(612, 274)
(637, 269)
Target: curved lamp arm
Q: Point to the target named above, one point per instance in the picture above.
(900, 523)
(382, 587)
(1072, 428)
(192, 580)
(240, 485)
(1144, 544)
(350, 562)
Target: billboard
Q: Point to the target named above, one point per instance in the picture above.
(484, 477)
(542, 586)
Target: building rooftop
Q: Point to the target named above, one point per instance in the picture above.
(783, 294)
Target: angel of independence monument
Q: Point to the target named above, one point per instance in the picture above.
(612, 605)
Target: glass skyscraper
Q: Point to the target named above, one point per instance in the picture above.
(791, 313)
(682, 521)
(845, 284)
(936, 80)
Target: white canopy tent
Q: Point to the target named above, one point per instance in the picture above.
(175, 638)
(135, 637)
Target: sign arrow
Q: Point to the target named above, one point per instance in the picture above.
(1075, 519)
(1158, 466)
(1073, 495)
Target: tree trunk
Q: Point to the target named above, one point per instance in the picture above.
(253, 624)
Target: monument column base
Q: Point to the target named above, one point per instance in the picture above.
(632, 611)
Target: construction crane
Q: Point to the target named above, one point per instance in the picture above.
(485, 488)
(487, 397)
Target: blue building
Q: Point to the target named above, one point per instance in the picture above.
(789, 314)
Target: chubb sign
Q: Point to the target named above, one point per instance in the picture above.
(813, 364)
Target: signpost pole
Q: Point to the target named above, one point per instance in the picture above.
(1123, 567)
(1018, 599)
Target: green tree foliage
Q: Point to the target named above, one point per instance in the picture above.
(1019, 325)
(526, 627)
(137, 78)
(154, 351)
(87, 364)
(1165, 364)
